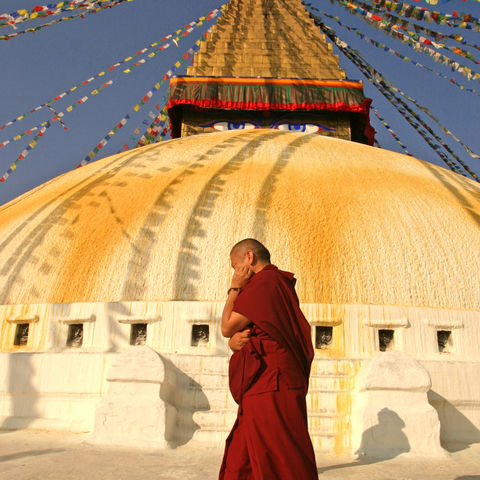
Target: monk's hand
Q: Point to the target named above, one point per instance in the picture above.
(239, 340)
(241, 276)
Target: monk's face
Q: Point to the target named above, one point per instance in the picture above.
(240, 259)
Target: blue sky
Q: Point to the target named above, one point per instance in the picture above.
(38, 66)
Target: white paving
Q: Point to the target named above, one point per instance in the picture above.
(32, 455)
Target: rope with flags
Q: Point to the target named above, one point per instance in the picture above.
(63, 19)
(181, 33)
(25, 152)
(142, 102)
(175, 37)
(410, 116)
(390, 50)
(376, 22)
(462, 20)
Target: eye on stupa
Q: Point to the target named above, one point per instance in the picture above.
(282, 76)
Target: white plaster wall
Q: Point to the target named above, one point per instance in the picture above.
(54, 391)
(355, 328)
(48, 385)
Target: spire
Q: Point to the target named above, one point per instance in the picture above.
(266, 38)
(266, 65)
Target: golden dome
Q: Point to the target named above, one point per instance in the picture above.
(356, 224)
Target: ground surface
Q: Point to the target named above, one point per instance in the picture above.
(31, 455)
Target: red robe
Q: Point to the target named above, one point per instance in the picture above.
(269, 380)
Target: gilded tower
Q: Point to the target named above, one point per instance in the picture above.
(266, 65)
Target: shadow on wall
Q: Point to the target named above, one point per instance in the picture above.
(388, 431)
(185, 397)
(386, 437)
(457, 432)
(20, 389)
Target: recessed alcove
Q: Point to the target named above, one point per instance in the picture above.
(22, 329)
(323, 331)
(21, 334)
(385, 339)
(323, 336)
(76, 331)
(75, 335)
(444, 341)
(139, 328)
(138, 334)
(200, 335)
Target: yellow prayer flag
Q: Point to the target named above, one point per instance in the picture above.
(13, 167)
(22, 12)
(94, 92)
(18, 137)
(32, 143)
(127, 59)
(136, 108)
(34, 15)
(20, 117)
(151, 55)
(69, 109)
(101, 74)
(127, 70)
(157, 86)
(178, 64)
(73, 88)
(91, 154)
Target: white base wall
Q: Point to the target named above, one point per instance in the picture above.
(51, 391)
(60, 391)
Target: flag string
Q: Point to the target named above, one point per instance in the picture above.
(394, 135)
(25, 152)
(42, 11)
(392, 51)
(182, 33)
(462, 20)
(375, 21)
(173, 36)
(375, 78)
(63, 19)
(142, 102)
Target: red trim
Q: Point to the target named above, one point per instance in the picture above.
(228, 105)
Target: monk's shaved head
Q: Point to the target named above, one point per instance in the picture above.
(262, 254)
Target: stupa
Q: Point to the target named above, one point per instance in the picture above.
(132, 251)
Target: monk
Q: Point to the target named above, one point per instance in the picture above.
(268, 371)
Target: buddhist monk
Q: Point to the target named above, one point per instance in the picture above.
(268, 371)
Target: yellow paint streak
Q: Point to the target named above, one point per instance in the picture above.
(343, 216)
(342, 424)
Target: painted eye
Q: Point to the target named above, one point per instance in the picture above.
(222, 126)
(240, 126)
(302, 127)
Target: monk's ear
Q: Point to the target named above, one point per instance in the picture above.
(251, 259)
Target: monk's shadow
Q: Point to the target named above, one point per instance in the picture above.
(183, 396)
(380, 443)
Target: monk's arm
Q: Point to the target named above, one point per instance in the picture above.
(232, 322)
(238, 340)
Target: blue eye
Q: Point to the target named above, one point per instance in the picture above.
(223, 126)
(302, 127)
